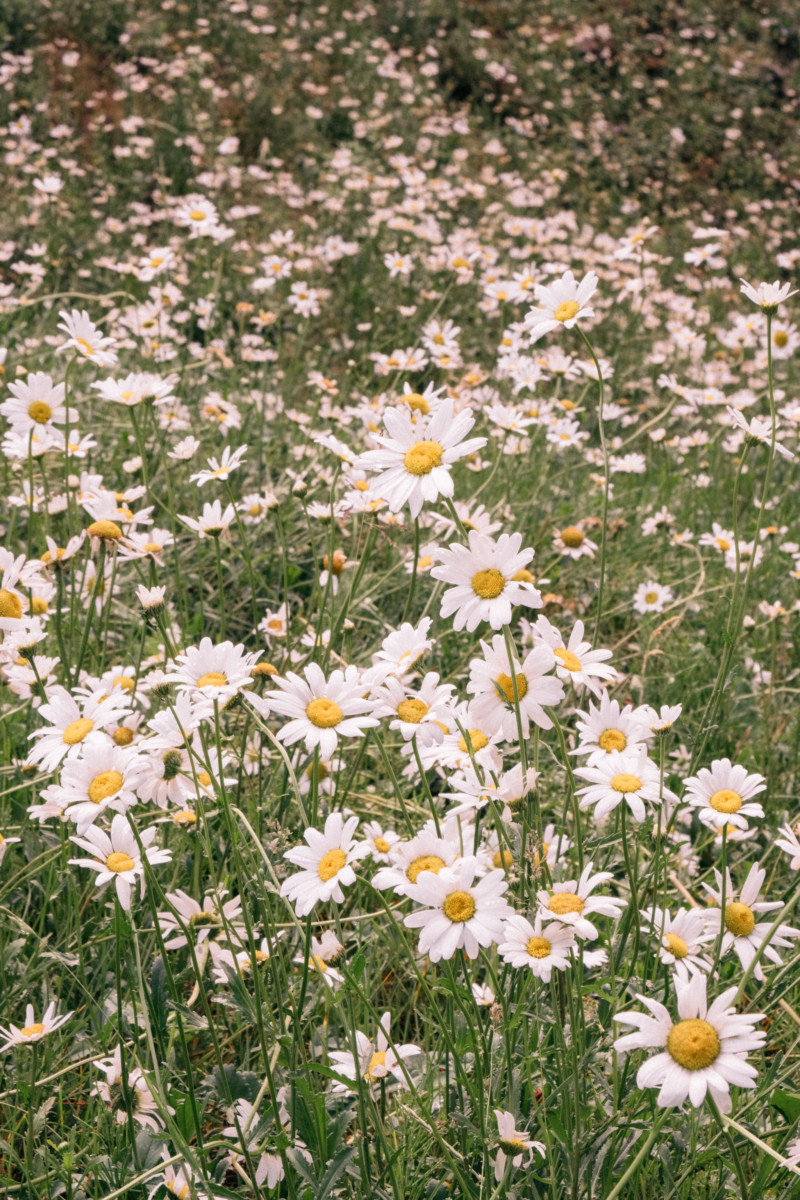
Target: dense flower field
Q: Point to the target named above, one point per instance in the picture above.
(398, 602)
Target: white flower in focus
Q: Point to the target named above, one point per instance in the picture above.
(488, 578)
(33, 1031)
(562, 303)
(630, 776)
(86, 338)
(376, 1060)
(514, 1144)
(573, 903)
(116, 856)
(457, 912)
(767, 295)
(537, 947)
(322, 710)
(325, 862)
(743, 933)
(724, 793)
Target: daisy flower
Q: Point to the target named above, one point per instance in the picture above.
(573, 543)
(790, 844)
(629, 776)
(414, 460)
(214, 921)
(724, 794)
(379, 841)
(767, 295)
(681, 938)
(651, 597)
(105, 777)
(322, 710)
(458, 913)
(407, 860)
(488, 577)
(705, 1051)
(326, 864)
(418, 713)
(220, 468)
(216, 672)
(743, 933)
(36, 402)
(320, 959)
(33, 1031)
(116, 856)
(213, 521)
(84, 336)
(136, 388)
(376, 1060)
(514, 1144)
(539, 948)
(572, 902)
(74, 725)
(577, 661)
(404, 647)
(758, 431)
(144, 1106)
(562, 303)
(490, 681)
(607, 728)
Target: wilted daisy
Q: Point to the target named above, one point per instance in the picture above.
(32, 1030)
(681, 939)
(514, 1144)
(488, 578)
(562, 303)
(704, 1051)
(540, 948)
(322, 710)
(326, 864)
(143, 1104)
(743, 933)
(724, 794)
(376, 1060)
(494, 703)
(458, 912)
(572, 902)
(415, 459)
(630, 776)
(116, 856)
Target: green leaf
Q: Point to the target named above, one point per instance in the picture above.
(787, 1103)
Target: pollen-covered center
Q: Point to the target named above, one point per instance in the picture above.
(106, 784)
(725, 801)
(119, 861)
(459, 907)
(739, 919)
(566, 310)
(537, 947)
(34, 1030)
(417, 403)
(382, 846)
(412, 710)
(10, 604)
(331, 864)
(626, 783)
(477, 741)
(378, 1060)
(650, 597)
(676, 945)
(422, 457)
(562, 903)
(780, 338)
(502, 859)
(572, 537)
(693, 1044)
(612, 739)
(40, 412)
(569, 661)
(197, 214)
(76, 731)
(213, 679)
(506, 686)
(428, 862)
(488, 584)
(324, 713)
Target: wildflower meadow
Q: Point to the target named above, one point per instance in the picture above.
(399, 600)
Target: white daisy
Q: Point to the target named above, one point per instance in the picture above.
(537, 947)
(577, 661)
(514, 1144)
(572, 902)
(562, 303)
(377, 1060)
(790, 844)
(490, 681)
(609, 727)
(74, 725)
(488, 578)
(33, 1031)
(767, 295)
(116, 856)
(681, 939)
(724, 793)
(743, 933)
(322, 710)
(458, 912)
(326, 864)
(86, 338)
(630, 776)
(216, 672)
(425, 852)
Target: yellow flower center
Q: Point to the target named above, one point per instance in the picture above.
(418, 403)
(676, 945)
(477, 741)
(506, 685)
(572, 537)
(153, 547)
(324, 713)
(650, 597)
(522, 576)
(422, 457)
(77, 731)
(10, 604)
(428, 862)
(781, 338)
(87, 347)
(626, 783)
(40, 412)
(565, 902)
(460, 264)
(424, 562)
(537, 947)
(693, 1044)
(569, 661)
(125, 682)
(105, 529)
(723, 544)
(156, 260)
(203, 778)
(378, 1060)
(197, 214)
(566, 310)
(502, 859)
(106, 784)
(38, 606)
(119, 861)
(185, 817)
(382, 846)
(212, 679)
(612, 739)
(459, 907)
(412, 710)
(331, 864)
(33, 1030)
(739, 919)
(488, 584)
(726, 801)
